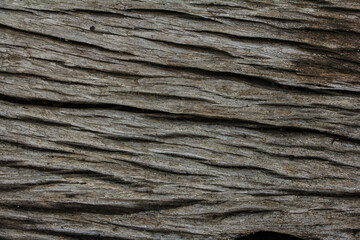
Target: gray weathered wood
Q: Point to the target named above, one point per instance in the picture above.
(168, 119)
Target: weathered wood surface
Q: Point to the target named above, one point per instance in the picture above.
(168, 119)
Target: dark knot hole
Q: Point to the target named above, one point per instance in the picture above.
(268, 236)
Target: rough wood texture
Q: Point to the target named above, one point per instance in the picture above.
(168, 119)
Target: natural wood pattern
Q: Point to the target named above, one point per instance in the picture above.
(168, 119)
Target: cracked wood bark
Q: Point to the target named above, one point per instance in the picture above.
(167, 119)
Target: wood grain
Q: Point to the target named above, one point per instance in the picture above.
(165, 119)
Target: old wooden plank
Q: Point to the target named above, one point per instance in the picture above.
(179, 119)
